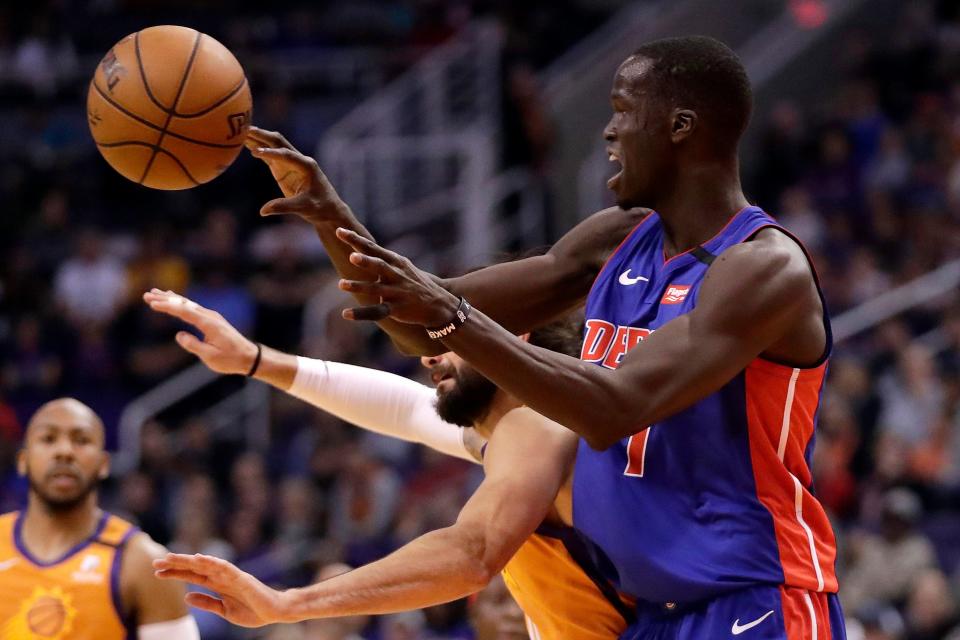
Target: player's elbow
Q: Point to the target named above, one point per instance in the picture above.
(484, 560)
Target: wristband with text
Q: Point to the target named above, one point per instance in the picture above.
(463, 312)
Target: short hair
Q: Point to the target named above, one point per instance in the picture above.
(703, 74)
(564, 335)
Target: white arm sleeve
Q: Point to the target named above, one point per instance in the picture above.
(184, 628)
(378, 401)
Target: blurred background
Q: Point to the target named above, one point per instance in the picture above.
(458, 129)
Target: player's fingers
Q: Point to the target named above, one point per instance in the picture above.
(373, 313)
(175, 561)
(366, 246)
(205, 602)
(368, 288)
(269, 138)
(279, 206)
(190, 313)
(183, 575)
(192, 344)
(376, 266)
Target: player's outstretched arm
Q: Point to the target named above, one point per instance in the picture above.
(374, 400)
(753, 297)
(521, 295)
(525, 464)
(157, 606)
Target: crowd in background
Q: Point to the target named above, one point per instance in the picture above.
(869, 178)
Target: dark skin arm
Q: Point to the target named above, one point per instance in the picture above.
(520, 295)
(758, 298)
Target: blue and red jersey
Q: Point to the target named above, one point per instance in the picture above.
(719, 496)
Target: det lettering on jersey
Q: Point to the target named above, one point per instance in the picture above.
(675, 294)
(607, 344)
(88, 572)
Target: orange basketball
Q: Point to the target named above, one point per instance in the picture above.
(169, 107)
(46, 617)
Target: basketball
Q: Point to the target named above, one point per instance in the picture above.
(46, 616)
(169, 107)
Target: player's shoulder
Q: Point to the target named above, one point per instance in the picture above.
(769, 253)
(141, 550)
(771, 265)
(591, 242)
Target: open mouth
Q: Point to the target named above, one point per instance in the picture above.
(613, 182)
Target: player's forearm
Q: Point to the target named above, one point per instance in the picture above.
(409, 339)
(438, 567)
(276, 368)
(580, 396)
(378, 401)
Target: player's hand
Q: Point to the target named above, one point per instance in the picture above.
(307, 192)
(241, 599)
(223, 348)
(406, 293)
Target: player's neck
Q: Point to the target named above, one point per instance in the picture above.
(49, 533)
(501, 404)
(703, 198)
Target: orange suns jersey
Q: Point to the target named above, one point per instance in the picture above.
(562, 597)
(75, 597)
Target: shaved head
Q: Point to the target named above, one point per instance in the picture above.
(69, 409)
(63, 455)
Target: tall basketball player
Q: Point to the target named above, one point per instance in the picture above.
(706, 348)
(69, 570)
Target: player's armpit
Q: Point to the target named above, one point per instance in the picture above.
(149, 599)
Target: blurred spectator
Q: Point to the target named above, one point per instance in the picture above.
(884, 566)
(912, 396)
(363, 505)
(90, 285)
(495, 615)
(931, 610)
(155, 265)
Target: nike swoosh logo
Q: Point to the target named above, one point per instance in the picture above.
(737, 628)
(6, 564)
(626, 280)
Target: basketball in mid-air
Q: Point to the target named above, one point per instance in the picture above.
(169, 107)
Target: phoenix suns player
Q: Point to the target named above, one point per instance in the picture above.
(68, 569)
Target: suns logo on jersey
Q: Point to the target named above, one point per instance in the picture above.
(47, 614)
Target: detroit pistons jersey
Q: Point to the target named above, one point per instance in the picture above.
(75, 597)
(719, 496)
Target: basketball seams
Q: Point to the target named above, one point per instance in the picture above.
(233, 92)
(176, 99)
(173, 134)
(156, 149)
(143, 75)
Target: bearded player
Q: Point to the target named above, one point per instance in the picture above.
(552, 572)
(69, 570)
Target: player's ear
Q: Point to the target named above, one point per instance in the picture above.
(683, 122)
(104, 472)
(22, 463)
(525, 337)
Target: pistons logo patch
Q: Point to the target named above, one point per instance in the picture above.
(675, 294)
